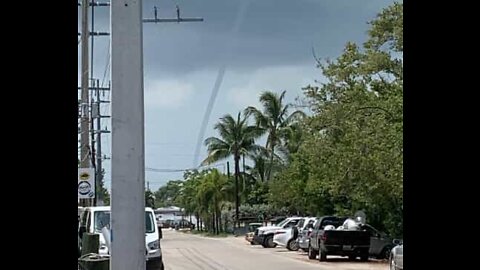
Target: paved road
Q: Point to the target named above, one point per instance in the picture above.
(191, 252)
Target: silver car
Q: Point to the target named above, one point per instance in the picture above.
(396, 256)
(304, 231)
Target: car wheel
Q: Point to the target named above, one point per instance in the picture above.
(155, 265)
(292, 245)
(364, 257)
(385, 254)
(323, 256)
(269, 242)
(312, 254)
(352, 257)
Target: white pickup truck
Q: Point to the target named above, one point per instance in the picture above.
(264, 235)
(94, 219)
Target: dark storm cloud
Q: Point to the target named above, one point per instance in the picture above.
(273, 32)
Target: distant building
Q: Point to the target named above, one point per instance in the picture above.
(172, 213)
(169, 213)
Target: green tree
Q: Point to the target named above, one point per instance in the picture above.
(351, 152)
(273, 120)
(167, 194)
(149, 199)
(210, 196)
(237, 138)
(187, 196)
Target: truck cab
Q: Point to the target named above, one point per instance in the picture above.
(94, 219)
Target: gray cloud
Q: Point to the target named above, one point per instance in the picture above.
(182, 60)
(273, 32)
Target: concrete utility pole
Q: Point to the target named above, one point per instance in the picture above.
(128, 153)
(84, 121)
(86, 106)
(128, 164)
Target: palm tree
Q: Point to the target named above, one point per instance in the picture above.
(293, 138)
(237, 138)
(273, 120)
(258, 171)
(211, 187)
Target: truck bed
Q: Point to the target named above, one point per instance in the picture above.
(345, 238)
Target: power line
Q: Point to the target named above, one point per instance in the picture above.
(148, 169)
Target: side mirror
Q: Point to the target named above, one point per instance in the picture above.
(81, 231)
(397, 242)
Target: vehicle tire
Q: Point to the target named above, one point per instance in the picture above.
(385, 254)
(292, 245)
(312, 254)
(364, 257)
(268, 243)
(264, 244)
(323, 256)
(252, 243)
(155, 265)
(352, 257)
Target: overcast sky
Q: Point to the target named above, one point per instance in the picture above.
(268, 46)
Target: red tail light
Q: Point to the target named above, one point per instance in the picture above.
(323, 237)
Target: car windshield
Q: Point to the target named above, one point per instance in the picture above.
(282, 223)
(102, 219)
(253, 227)
(301, 222)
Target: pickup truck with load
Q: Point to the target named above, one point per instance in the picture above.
(325, 241)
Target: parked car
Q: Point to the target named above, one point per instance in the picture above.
(396, 256)
(251, 231)
(288, 237)
(324, 242)
(264, 235)
(169, 223)
(94, 219)
(303, 239)
(380, 243)
(182, 224)
(276, 220)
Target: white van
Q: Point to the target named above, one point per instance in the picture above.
(95, 218)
